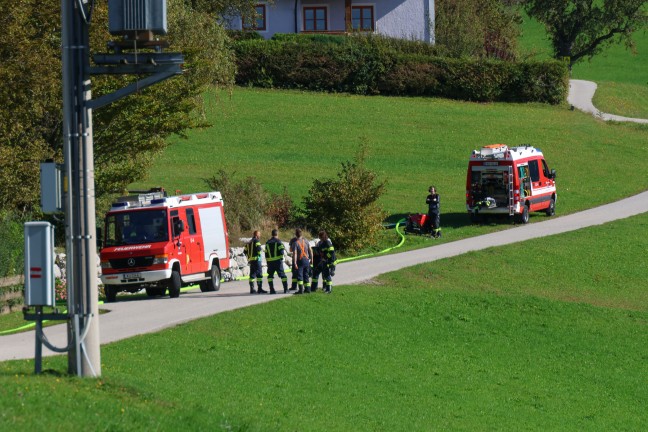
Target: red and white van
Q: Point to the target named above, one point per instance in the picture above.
(156, 242)
(510, 181)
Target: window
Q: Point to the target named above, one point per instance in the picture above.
(259, 21)
(315, 19)
(535, 172)
(362, 18)
(191, 221)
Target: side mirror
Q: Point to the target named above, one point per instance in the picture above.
(553, 174)
(99, 237)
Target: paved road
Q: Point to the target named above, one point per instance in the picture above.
(133, 317)
(580, 96)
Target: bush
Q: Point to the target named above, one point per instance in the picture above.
(12, 244)
(248, 206)
(379, 65)
(347, 207)
(238, 35)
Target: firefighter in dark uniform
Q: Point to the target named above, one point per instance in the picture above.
(274, 253)
(253, 250)
(302, 255)
(325, 262)
(434, 212)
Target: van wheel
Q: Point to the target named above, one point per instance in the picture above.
(175, 283)
(111, 293)
(524, 217)
(551, 210)
(213, 283)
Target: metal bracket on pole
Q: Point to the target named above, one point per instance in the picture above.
(134, 87)
(160, 65)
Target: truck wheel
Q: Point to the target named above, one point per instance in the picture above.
(551, 210)
(524, 217)
(213, 283)
(111, 293)
(175, 283)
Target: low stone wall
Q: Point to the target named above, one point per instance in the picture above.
(240, 268)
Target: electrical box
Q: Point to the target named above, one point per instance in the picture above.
(51, 180)
(126, 16)
(39, 264)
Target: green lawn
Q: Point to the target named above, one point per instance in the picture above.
(289, 138)
(621, 75)
(540, 335)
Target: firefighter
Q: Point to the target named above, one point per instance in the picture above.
(274, 253)
(434, 212)
(293, 283)
(253, 251)
(302, 254)
(325, 264)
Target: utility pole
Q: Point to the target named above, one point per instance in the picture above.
(84, 358)
(139, 23)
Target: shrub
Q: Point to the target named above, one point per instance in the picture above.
(12, 244)
(248, 206)
(374, 65)
(347, 207)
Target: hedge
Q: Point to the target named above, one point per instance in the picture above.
(380, 66)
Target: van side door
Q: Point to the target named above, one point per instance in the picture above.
(196, 260)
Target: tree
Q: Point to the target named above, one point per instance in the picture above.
(347, 207)
(477, 28)
(129, 133)
(582, 28)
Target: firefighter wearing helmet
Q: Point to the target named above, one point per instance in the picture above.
(434, 212)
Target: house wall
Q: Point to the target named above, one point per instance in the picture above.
(405, 19)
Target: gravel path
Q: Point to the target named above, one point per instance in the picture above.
(580, 96)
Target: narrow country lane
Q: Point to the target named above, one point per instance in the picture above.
(130, 318)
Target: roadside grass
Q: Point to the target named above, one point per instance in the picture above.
(621, 75)
(289, 138)
(612, 97)
(544, 334)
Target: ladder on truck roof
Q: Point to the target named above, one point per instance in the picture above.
(510, 191)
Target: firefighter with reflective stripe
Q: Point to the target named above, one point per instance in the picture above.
(274, 253)
(434, 212)
(325, 263)
(302, 255)
(253, 250)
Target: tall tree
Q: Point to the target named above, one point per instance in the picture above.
(582, 28)
(477, 28)
(128, 133)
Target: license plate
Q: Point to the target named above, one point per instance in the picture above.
(132, 276)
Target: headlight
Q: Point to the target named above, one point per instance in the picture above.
(161, 259)
(105, 265)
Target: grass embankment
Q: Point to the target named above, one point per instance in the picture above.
(621, 75)
(544, 334)
(289, 138)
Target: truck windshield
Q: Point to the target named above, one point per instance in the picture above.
(136, 227)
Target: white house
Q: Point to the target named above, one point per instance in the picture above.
(405, 19)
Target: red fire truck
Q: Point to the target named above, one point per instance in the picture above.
(509, 181)
(155, 242)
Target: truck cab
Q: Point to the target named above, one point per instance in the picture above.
(161, 243)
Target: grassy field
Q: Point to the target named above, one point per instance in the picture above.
(541, 335)
(621, 75)
(289, 138)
